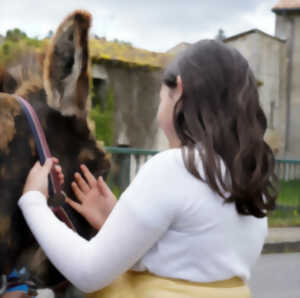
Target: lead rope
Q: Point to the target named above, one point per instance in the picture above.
(44, 153)
(19, 280)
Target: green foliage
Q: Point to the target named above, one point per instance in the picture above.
(122, 42)
(104, 119)
(15, 35)
(116, 191)
(277, 220)
(289, 194)
(287, 212)
(16, 43)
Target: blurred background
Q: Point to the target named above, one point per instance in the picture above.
(132, 41)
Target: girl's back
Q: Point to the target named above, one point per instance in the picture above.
(213, 241)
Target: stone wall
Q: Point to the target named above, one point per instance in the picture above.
(136, 99)
(284, 29)
(265, 55)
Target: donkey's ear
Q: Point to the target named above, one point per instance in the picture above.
(66, 78)
(8, 83)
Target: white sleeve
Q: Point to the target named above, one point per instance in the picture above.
(136, 223)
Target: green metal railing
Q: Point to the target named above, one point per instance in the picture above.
(126, 162)
(288, 169)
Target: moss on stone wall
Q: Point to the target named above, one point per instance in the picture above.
(17, 42)
(108, 62)
(126, 53)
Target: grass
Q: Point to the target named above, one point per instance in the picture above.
(287, 212)
(289, 193)
(282, 222)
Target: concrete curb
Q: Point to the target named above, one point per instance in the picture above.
(281, 247)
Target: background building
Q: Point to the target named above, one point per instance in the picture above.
(126, 81)
(275, 61)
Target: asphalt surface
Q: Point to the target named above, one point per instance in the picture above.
(276, 276)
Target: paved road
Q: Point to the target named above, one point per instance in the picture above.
(276, 276)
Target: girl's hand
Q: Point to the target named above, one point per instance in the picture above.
(37, 178)
(95, 197)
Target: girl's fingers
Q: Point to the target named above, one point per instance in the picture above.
(103, 186)
(81, 183)
(48, 165)
(88, 175)
(100, 186)
(79, 194)
(61, 180)
(58, 168)
(55, 160)
(74, 205)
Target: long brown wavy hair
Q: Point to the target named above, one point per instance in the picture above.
(219, 115)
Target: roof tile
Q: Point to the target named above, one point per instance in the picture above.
(287, 4)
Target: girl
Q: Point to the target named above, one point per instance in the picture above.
(193, 221)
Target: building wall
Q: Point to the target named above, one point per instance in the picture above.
(136, 95)
(264, 55)
(136, 91)
(247, 46)
(284, 24)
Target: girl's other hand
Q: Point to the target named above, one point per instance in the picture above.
(96, 200)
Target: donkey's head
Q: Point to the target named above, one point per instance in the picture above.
(57, 86)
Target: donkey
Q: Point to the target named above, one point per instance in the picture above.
(58, 90)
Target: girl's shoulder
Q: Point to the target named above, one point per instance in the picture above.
(173, 155)
(173, 159)
(164, 162)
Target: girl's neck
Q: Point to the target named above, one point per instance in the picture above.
(174, 144)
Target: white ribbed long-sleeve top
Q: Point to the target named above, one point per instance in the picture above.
(167, 222)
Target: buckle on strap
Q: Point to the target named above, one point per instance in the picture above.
(56, 204)
(57, 199)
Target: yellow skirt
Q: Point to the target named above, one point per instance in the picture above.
(146, 285)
